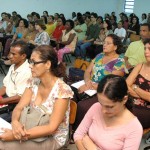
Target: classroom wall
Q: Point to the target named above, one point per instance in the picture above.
(24, 7)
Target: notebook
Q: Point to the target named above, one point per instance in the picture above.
(4, 124)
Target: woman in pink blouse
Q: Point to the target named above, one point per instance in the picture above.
(109, 124)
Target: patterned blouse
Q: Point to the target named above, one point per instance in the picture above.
(59, 90)
(144, 84)
(100, 70)
(42, 38)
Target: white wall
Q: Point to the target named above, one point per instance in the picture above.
(141, 6)
(24, 7)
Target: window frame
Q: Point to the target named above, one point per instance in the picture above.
(128, 8)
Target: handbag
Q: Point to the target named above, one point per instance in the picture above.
(77, 74)
(82, 64)
(32, 117)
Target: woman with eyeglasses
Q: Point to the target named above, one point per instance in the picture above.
(48, 94)
(109, 123)
(110, 61)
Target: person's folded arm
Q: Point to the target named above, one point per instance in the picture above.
(70, 39)
(9, 100)
(143, 94)
(131, 79)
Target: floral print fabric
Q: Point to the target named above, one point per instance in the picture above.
(59, 91)
(144, 84)
(100, 70)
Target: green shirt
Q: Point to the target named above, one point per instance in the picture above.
(135, 53)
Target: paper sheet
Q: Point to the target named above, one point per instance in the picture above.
(4, 124)
(80, 83)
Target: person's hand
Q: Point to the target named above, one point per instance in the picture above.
(7, 135)
(133, 93)
(88, 143)
(18, 130)
(89, 84)
(84, 41)
(82, 88)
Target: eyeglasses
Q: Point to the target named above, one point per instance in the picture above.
(33, 63)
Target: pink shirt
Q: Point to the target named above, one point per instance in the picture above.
(124, 137)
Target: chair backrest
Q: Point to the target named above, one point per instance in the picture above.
(134, 37)
(73, 110)
(145, 131)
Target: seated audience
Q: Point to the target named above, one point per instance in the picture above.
(139, 86)
(108, 27)
(125, 22)
(109, 123)
(80, 29)
(56, 16)
(113, 23)
(91, 35)
(108, 62)
(97, 46)
(31, 32)
(47, 94)
(4, 22)
(21, 32)
(45, 13)
(134, 28)
(120, 31)
(148, 18)
(36, 16)
(88, 20)
(44, 18)
(100, 21)
(135, 52)
(58, 31)
(144, 18)
(67, 41)
(42, 37)
(50, 26)
(15, 81)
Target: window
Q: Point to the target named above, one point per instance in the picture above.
(129, 5)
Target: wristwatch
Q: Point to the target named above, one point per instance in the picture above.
(135, 87)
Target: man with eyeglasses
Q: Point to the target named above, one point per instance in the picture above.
(16, 79)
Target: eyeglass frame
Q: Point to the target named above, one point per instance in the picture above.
(33, 63)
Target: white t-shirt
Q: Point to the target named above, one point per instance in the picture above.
(120, 32)
(16, 80)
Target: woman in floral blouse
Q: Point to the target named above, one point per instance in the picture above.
(139, 88)
(108, 62)
(46, 91)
